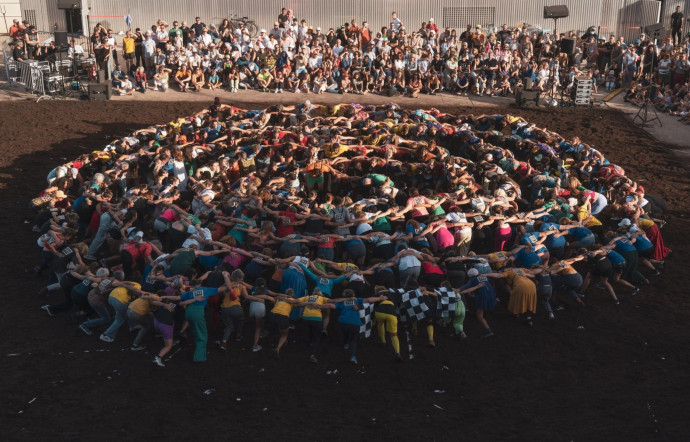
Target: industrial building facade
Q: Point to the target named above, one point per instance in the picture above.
(620, 17)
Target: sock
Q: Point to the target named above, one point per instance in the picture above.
(430, 332)
(396, 344)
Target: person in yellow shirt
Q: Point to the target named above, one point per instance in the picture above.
(119, 300)
(128, 51)
(280, 315)
(314, 320)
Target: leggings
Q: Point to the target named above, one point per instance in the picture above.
(457, 317)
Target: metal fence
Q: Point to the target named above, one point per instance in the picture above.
(29, 74)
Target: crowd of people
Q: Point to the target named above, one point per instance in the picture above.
(398, 59)
(302, 216)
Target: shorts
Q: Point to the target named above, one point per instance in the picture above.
(311, 180)
(129, 56)
(390, 321)
(619, 268)
(164, 329)
(646, 253)
(257, 310)
(281, 322)
(603, 269)
(356, 249)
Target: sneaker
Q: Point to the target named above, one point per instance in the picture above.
(47, 309)
(635, 291)
(256, 348)
(662, 224)
(155, 88)
(600, 286)
(137, 347)
(291, 326)
(398, 357)
(36, 229)
(223, 345)
(105, 338)
(85, 329)
(462, 335)
(324, 332)
(353, 359)
(280, 91)
(488, 334)
(617, 301)
(560, 308)
(239, 338)
(275, 91)
(90, 257)
(551, 316)
(158, 361)
(432, 343)
(346, 346)
(182, 335)
(313, 359)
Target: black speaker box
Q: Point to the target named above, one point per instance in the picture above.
(556, 11)
(61, 39)
(527, 98)
(567, 46)
(100, 92)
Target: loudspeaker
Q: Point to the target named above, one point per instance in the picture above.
(68, 4)
(101, 76)
(526, 98)
(557, 11)
(60, 39)
(567, 46)
(100, 92)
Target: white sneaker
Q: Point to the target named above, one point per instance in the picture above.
(106, 338)
(256, 348)
(158, 361)
(275, 91)
(280, 91)
(47, 309)
(155, 88)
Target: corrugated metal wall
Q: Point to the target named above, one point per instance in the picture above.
(669, 8)
(636, 14)
(613, 15)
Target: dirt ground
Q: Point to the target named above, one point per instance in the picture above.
(624, 376)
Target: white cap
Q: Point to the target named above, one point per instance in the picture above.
(431, 19)
(263, 31)
(318, 28)
(472, 272)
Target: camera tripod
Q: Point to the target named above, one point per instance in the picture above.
(645, 119)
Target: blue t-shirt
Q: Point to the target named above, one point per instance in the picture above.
(615, 257)
(347, 313)
(579, 232)
(552, 240)
(206, 292)
(526, 259)
(624, 246)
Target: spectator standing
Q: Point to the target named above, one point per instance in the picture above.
(149, 51)
(677, 20)
(128, 51)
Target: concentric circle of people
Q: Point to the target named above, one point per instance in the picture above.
(390, 217)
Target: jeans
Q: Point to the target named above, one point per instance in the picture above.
(233, 318)
(350, 335)
(103, 227)
(410, 272)
(120, 317)
(571, 283)
(145, 321)
(103, 315)
(544, 293)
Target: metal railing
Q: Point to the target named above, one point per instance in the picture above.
(25, 73)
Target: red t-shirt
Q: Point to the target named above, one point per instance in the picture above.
(286, 217)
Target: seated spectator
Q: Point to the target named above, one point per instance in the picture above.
(183, 77)
(125, 86)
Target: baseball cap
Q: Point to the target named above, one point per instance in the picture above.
(625, 222)
(472, 272)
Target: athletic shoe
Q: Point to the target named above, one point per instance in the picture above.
(488, 334)
(353, 359)
(158, 361)
(617, 301)
(462, 335)
(324, 332)
(137, 347)
(182, 335)
(662, 224)
(36, 229)
(313, 359)
(432, 343)
(256, 348)
(398, 357)
(47, 309)
(635, 291)
(85, 329)
(346, 346)
(90, 257)
(551, 316)
(106, 338)
(223, 346)
(600, 286)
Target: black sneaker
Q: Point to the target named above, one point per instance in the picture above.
(487, 334)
